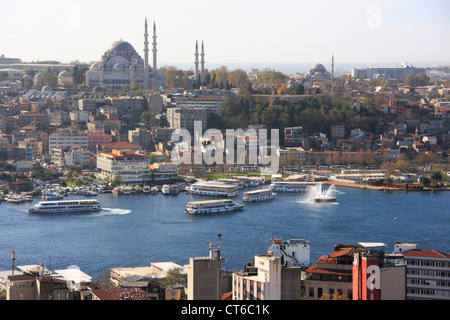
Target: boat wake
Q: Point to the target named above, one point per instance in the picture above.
(114, 211)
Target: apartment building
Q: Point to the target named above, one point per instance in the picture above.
(210, 102)
(428, 272)
(262, 284)
(185, 118)
(68, 138)
(97, 139)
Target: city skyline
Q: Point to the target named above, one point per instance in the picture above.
(233, 32)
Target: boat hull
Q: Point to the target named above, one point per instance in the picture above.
(214, 210)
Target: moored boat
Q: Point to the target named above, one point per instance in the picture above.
(117, 191)
(212, 206)
(212, 188)
(51, 196)
(166, 189)
(174, 189)
(259, 195)
(146, 190)
(64, 206)
(14, 198)
(154, 190)
(285, 186)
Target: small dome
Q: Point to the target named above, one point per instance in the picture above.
(97, 89)
(46, 89)
(64, 73)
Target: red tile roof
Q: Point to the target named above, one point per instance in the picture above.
(426, 253)
(314, 269)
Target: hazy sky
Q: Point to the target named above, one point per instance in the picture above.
(233, 31)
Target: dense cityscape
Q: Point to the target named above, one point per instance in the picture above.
(71, 131)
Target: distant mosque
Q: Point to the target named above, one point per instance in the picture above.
(121, 66)
(319, 73)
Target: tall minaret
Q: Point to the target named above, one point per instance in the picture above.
(146, 71)
(332, 67)
(196, 59)
(202, 64)
(154, 47)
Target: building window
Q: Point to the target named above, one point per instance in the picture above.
(319, 292)
(311, 292)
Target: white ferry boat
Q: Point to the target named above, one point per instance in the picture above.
(64, 206)
(259, 195)
(212, 188)
(284, 186)
(212, 206)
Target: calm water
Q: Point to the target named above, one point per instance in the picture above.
(135, 230)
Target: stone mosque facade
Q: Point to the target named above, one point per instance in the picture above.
(121, 66)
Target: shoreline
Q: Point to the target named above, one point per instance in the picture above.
(381, 188)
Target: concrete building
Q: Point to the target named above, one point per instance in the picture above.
(68, 138)
(128, 105)
(131, 167)
(205, 277)
(96, 140)
(210, 102)
(293, 136)
(428, 272)
(387, 72)
(378, 276)
(184, 118)
(164, 172)
(264, 284)
(142, 137)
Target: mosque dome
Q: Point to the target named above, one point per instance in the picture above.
(318, 71)
(46, 89)
(121, 46)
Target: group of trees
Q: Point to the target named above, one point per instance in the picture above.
(314, 114)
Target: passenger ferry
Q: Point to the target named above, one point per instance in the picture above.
(212, 188)
(66, 206)
(212, 206)
(284, 186)
(259, 195)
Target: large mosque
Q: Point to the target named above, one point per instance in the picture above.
(121, 66)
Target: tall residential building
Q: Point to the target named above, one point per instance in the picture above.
(428, 272)
(185, 118)
(264, 284)
(211, 102)
(68, 138)
(142, 137)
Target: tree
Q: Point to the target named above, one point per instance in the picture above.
(175, 276)
(175, 77)
(238, 78)
(148, 119)
(221, 75)
(116, 180)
